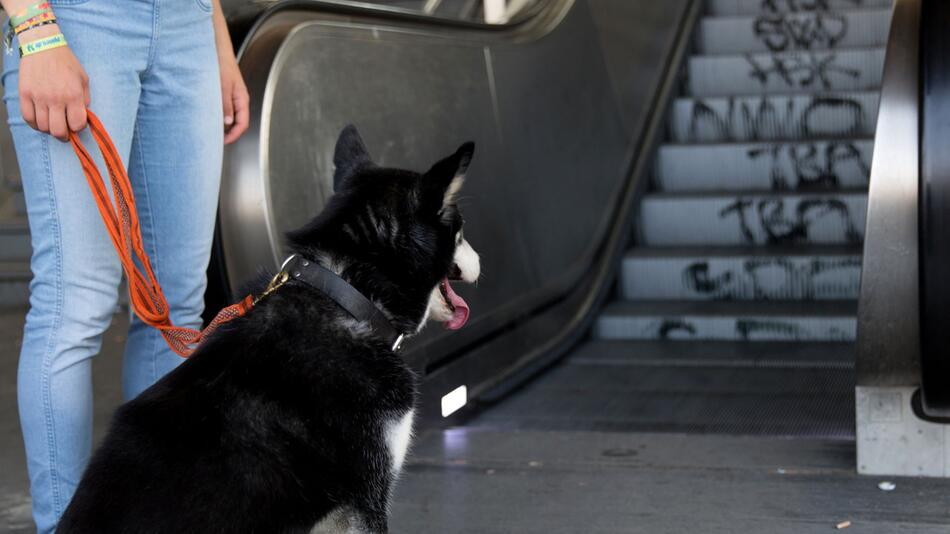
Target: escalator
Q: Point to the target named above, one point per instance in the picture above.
(735, 306)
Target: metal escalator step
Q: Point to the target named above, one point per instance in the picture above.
(774, 117)
(728, 321)
(780, 32)
(752, 219)
(14, 283)
(15, 240)
(691, 399)
(764, 166)
(766, 7)
(774, 354)
(742, 273)
(786, 72)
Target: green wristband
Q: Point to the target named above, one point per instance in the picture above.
(42, 45)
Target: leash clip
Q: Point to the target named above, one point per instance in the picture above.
(278, 280)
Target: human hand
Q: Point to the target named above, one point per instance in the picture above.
(54, 88)
(234, 99)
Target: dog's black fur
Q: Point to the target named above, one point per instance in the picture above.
(278, 420)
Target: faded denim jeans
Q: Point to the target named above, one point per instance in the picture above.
(155, 83)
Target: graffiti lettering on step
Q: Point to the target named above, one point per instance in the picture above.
(776, 118)
(776, 278)
(827, 106)
(778, 227)
(805, 166)
(781, 32)
(750, 329)
(675, 328)
(794, 6)
(797, 70)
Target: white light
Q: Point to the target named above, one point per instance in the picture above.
(454, 400)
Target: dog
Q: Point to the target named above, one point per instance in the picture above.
(297, 416)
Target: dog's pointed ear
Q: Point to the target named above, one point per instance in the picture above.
(444, 180)
(350, 156)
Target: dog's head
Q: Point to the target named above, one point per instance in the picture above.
(396, 235)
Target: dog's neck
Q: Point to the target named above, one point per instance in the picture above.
(334, 264)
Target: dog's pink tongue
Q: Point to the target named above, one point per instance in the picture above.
(461, 308)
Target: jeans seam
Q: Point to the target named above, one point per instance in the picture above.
(153, 42)
(153, 253)
(57, 321)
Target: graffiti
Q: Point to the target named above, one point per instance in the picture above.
(748, 329)
(807, 166)
(799, 69)
(776, 118)
(780, 32)
(780, 228)
(675, 328)
(776, 278)
(828, 105)
(794, 6)
(752, 329)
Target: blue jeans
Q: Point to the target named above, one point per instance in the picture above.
(155, 83)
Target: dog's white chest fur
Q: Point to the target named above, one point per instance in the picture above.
(398, 437)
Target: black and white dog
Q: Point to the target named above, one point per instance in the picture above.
(297, 416)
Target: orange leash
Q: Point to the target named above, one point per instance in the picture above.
(122, 222)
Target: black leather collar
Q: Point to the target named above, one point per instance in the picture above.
(341, 292)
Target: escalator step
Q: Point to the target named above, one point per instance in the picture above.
(786, 72)
(764, 166)
(15, 240)
(728, 321)
(774, 117)
(779, 32)
(707, 399)
(774, 354)
(702, 273)
(14, 283)
(765, 7)
(752, 219)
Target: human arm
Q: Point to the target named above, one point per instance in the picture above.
(53, 86)
(234, 97)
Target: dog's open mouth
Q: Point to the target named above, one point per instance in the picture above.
(456, 305)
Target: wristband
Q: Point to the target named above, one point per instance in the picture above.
(45, 17)
(37, 25)
(29, 12)
(35, 22)
(42, 45)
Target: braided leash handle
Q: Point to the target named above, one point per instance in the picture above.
(122, 222)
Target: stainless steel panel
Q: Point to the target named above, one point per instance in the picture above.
(537, 99)
(888, 342)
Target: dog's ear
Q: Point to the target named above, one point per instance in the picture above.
(350, 156)
(443, 181)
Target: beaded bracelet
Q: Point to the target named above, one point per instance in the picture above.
(42, 45)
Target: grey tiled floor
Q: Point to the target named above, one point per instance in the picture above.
(485, 479)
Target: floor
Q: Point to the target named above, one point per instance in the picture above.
(492, 478)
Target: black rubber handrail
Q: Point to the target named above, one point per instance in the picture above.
(934, 209)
